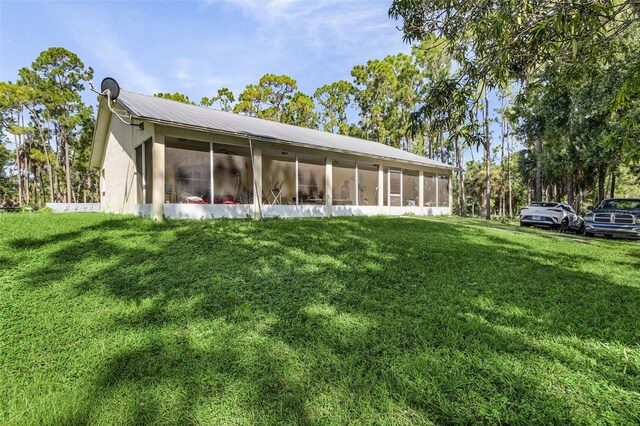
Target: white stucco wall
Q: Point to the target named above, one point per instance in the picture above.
(142, 210)
(117, 172)
(74, 207)
(355, 210)
(286, 212)
(208, 211)
(245, 211)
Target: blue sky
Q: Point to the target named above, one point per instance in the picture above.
(196, 47)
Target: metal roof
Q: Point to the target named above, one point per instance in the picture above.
(177, 113)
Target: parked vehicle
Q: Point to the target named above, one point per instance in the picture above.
(614, 216)
(551, 215)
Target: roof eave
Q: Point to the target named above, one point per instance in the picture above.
(99, 141)
(286, 142)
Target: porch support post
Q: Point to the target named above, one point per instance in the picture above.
(328, 190)
(142, 174)
(257, 178)
(451, 192)
(437, 181)
(421, 190)
(157, 157)
(297, 180)
(380, 188)
(212, 190)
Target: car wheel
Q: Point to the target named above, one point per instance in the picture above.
(580, 230)
(564, 226)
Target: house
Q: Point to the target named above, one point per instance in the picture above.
(160, 158)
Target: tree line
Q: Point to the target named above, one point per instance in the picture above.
(545, 104)
(50, 129)
(574, 69)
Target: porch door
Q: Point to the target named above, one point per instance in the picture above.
(395, 187)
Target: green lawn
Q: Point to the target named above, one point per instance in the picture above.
(116, 320)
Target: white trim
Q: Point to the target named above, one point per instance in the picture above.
(328, 184)
(451, 190)
(212, 187)
(244, 211)
(402, 187)
(292, 211)
(357, 186)
(389, 171)
(74, 207)
(142, 210)
(342, 210)
(208, 211)
(136, 176)
(144, 172)
(421, 189)
(388, 187)
(380, 193)
(297, 181)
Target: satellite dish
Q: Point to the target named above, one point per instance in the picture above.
(112, 86)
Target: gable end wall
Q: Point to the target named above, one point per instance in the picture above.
(117, 172)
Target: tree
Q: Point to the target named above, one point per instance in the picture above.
(577, 138)
(508, 40)
(386, 95)
(300, 111)
(86, 179)
(56, 77)
(224, 99)
(334, 99)
(44, 113)
(176, 96)
(268, 98)
(6, 184)
(500, 42)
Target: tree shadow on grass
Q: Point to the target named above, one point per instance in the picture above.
(172, 379)
(382, 320)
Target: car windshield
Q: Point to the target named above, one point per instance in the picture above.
(619, 204)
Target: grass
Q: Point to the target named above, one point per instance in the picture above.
(117, 320)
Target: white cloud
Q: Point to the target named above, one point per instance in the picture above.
(119, 61)
(93, 35)
(315, 42)
(343, 26)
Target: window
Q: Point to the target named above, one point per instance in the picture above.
(278, 177)
(148, 170)
(620, 204)
(443, 191)
(344, 182)
(429, 190)
(187, 172)
(139, 175)
(367, 184)
(232, 175)
(410, 188)
(311, 179)
(143, 169)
